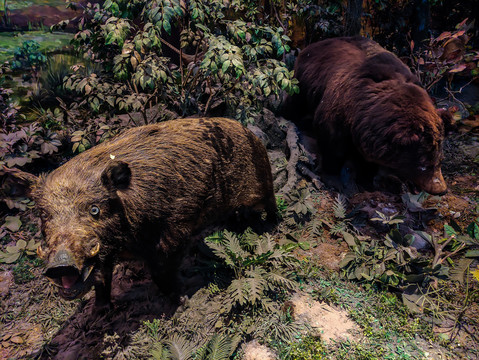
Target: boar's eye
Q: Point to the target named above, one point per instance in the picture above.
(422, 168)
(94, 210)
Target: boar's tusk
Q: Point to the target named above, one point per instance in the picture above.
(87, 272)
(40, 252)
(95, 250)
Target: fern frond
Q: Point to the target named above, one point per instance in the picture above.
(256, 284)
(339, 228)
(233, 245)
(220, 347)
(180, 348)
(249, 239)
(160, 352)
(279, 254)
(264, 244)
(278, 278)
(238, 291)
(459, 271)
(315, 227)
(218, 249)
(268, 305)
(339, 207)
(280, 328)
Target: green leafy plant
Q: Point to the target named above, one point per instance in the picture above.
(219, 347)
(261, 268)
(281, 205)
(394, 219)
(177, 347)
(457, 240)
(343, 224)
(392, 262)
(21, 248)
(23, 270)
(152, 327)
(280, 328)
(444, 56)
(223, 61)
(20, 146)
(307, 348)
(28, 56)
(300, 206)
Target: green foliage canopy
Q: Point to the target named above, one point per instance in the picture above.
(224, 62)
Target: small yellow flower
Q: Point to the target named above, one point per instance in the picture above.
(475, 273)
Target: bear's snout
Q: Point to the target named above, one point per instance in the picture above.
(433, 183)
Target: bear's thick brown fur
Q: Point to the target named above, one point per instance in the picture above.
(363, 103)
(146, 192)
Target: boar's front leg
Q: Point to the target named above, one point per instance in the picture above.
(165, 272)
(103, 284)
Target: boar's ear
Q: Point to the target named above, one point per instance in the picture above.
(116, 176)
(447, 120)
(22, 183)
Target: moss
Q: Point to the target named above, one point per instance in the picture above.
(22, 272)
(309, 348)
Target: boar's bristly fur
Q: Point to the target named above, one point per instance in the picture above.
(146, 192)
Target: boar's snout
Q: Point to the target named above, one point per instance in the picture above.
(61, 259)
(64, 273)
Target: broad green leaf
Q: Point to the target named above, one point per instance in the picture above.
(11, 258)
(225, 66)
(349, 239)
(13, 223)
(472, 254)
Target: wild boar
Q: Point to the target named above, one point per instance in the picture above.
(145, 193)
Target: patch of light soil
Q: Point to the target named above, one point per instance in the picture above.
(253, 350)
(325, 321)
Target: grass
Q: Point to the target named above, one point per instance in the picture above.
(48, 41)
(21, 4)
(389, 330)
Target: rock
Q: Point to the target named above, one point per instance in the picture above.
(6, 280)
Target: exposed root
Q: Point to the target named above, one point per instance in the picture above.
(303, 169)
(296, 150)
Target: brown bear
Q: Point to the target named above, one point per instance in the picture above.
(364, 105)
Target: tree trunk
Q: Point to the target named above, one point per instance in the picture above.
(353, 17)
(420, 21)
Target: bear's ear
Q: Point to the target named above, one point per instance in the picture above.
(407, 139)
(447, 120)
(117, 176)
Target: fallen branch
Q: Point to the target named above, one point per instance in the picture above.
(439, 248)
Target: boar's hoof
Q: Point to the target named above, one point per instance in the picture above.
(70, 280)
